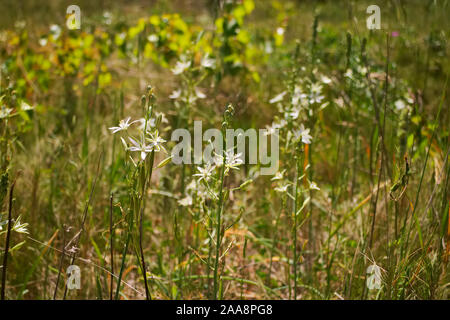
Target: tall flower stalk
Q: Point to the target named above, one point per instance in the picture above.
(147, 142)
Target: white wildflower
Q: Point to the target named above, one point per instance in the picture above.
(325, 80)
(43, 41)
(153, 38)
(313, 186)
(180, 67)
(141, 147)
(156, 142)
(123, 125)
(303, 134)
(278, 176)
(55, 30)
(400, 105)
(282, 188)
(295, 112)
(362, 70)
(271, 130)
(20, 227)
(205, 173)
(5, 112)
(25, 106)
(208, 62)
(145, 128)
(199, 94)
(175, 94)
(298, 96)
(349, 74)
(107, 17)
(232, 160)
(315, 95)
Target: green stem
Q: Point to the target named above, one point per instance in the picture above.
(218, 230)
(294, 245)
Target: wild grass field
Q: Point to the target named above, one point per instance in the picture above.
(359, 205)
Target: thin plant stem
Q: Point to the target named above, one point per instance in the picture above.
(111, 244)
(294, 231)
(85, 213)
(8, 237)
(124, 255)
(218, 229)
(61, 261)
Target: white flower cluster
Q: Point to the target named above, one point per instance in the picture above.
(190, 92)
(208, 173)
(149, 139)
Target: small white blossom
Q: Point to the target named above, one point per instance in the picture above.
(282, 188)
(199, 94)
(142, 125)
(272, 130)
(298, 96)
(107, 16)
(315, 95)
(123, 125)
(325, 80)
(156, 142)
(141, 147)
(25, 106)
(303, 134)
(43, 42)
(205, 173)
(175, 94)
(400, 105)
(151, 122)
(5, 112)
(153, 38)
(20, 227)
(180, 67)
(362, 70)
(294, 113)
(278, 176)
(313, 186)
(55, 30)
(208, 62)
(232, 160)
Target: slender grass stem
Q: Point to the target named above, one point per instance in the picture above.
(85, 214)
(111, 244)
(294, 230)
(218, 230)
(413, 214)
(124, 255)
(61, 261)
(275, 240)
(8, 237)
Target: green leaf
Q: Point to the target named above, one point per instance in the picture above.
(17, 246)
